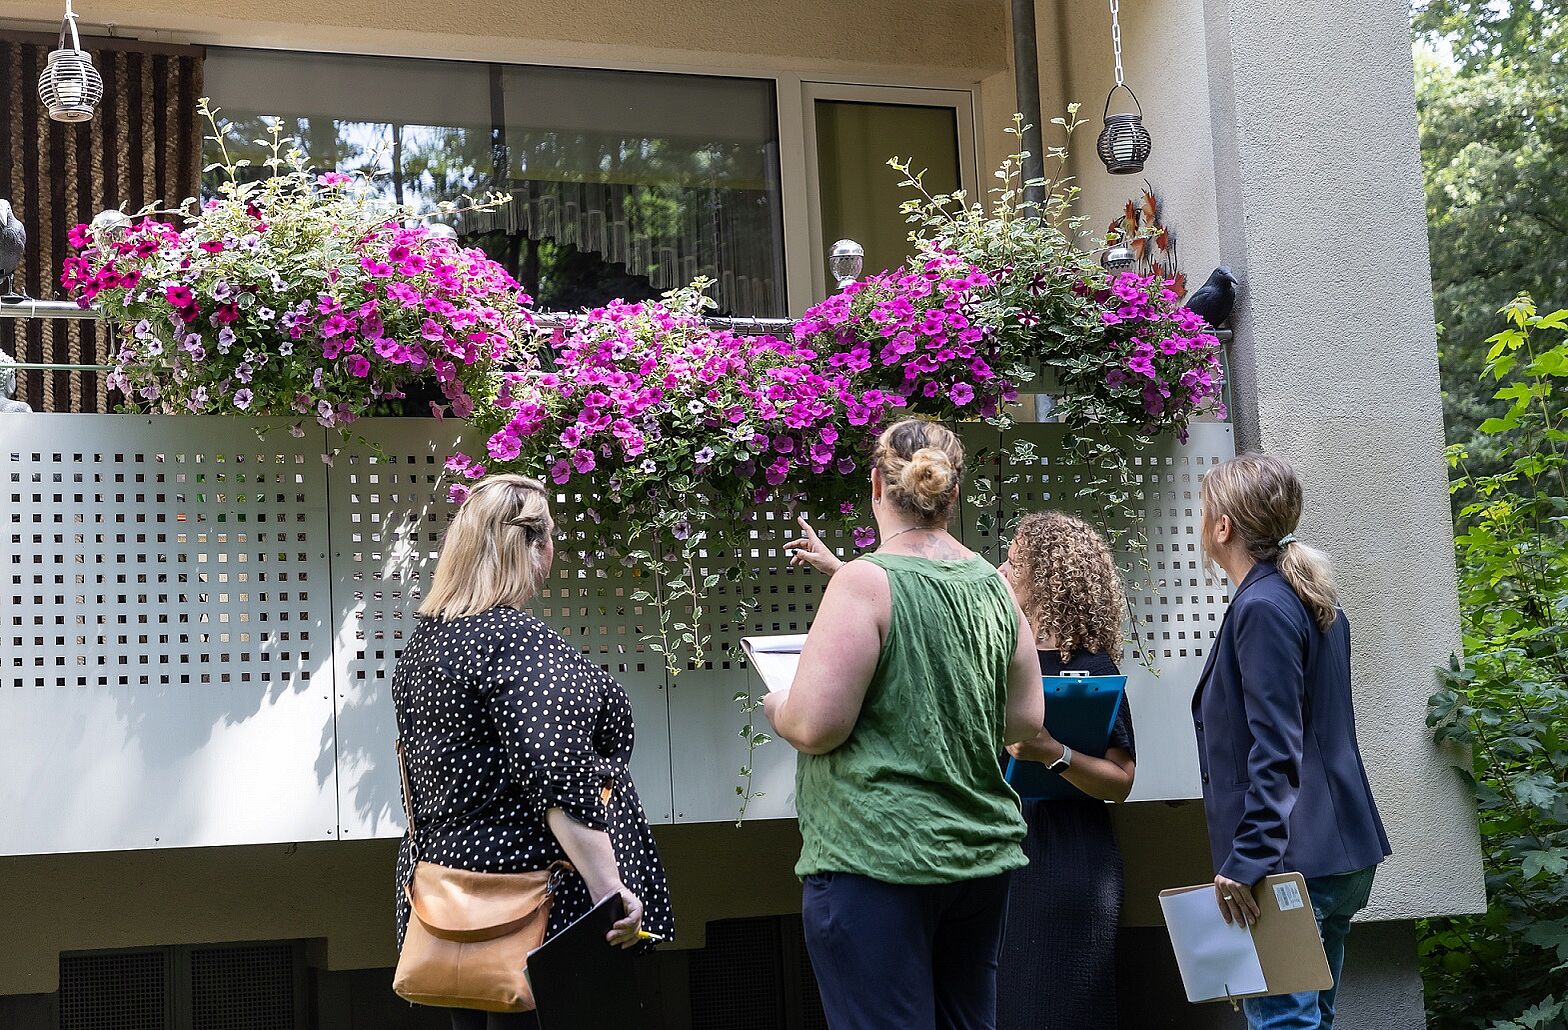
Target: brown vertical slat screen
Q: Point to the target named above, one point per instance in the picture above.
(143, 145)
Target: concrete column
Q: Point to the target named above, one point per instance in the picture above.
(1334, 365)
(1317, 167)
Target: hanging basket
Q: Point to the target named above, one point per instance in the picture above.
(1124, 143)
(70, 86)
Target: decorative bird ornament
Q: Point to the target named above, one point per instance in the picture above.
(13, 241)
(1216, 299)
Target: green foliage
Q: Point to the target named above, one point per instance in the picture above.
(1494, 143)
(1508, 701)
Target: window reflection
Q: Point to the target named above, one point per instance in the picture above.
(624, 184)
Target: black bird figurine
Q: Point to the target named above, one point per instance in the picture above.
(1216, 299)
(13, 240)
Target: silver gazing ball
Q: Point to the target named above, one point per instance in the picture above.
(846, 260)
(442, 231)
(1118, 258)
(110, 224)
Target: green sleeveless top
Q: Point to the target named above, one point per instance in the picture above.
(916, 794)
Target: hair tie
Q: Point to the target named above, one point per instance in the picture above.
(1288, 538)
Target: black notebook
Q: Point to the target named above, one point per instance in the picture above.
(580, 980)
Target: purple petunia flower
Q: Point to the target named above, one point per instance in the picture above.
(865, 537)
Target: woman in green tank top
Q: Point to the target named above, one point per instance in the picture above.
(918, 670)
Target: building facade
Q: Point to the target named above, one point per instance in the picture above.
(643, 145)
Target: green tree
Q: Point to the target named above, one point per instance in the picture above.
(1494, 146)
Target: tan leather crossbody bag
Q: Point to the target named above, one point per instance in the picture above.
(469, 934)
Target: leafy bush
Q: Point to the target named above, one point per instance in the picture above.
(1508, 701)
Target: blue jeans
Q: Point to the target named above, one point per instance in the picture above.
(1334, 900)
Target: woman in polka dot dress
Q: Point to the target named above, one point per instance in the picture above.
(516, 745)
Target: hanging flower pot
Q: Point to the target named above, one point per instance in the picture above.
(1124, 143)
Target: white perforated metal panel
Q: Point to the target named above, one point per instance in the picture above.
(199, 626)
(167, 666)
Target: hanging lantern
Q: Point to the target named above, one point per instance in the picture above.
(70, 86)
(1124, 143)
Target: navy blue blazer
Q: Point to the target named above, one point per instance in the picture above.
(1284, 789)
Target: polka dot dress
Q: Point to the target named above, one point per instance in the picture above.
(502, 720)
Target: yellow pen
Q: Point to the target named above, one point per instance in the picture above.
(644, 935)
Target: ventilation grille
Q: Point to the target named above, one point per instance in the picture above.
(123, 991)
(249, 987)
(737, 979)
(811, 1015)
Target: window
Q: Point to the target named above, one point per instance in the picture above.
(851, 132)
(623, 184)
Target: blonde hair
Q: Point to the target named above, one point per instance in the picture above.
(1068, 584)
(493, 553)
(1263, 499)
(922, 464)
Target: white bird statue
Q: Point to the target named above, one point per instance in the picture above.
(13, 241)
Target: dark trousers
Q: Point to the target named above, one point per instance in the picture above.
(469, 1019)
(905, 957)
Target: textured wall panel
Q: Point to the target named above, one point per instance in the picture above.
(166, 658)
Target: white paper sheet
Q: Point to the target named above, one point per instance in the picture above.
(774, 658)
(1216, 959)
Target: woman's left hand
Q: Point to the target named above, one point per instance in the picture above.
(1236, 902)
(1043, 748)
(624, 932)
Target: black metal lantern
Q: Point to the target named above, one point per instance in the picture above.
(1124, 143)
(70, 86)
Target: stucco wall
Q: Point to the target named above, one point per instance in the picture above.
(1316, 161)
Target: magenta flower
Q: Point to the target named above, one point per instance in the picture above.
(865, 537)
(961, 394)
(178, 296)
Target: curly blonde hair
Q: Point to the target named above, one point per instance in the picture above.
(1068, 584)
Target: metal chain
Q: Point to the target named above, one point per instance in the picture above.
(1116, 38)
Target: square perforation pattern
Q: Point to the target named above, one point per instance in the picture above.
(168, 566)
(170, 584)
(165, 597)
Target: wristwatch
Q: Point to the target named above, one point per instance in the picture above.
(1063, 762)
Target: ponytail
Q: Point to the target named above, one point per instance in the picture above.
(1307, 571)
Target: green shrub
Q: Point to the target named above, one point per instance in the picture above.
(1507, 702)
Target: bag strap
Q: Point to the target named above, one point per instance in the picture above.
(408, 794)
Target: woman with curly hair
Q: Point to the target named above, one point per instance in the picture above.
(1058, 967)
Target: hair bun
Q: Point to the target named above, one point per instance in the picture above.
(929, 478)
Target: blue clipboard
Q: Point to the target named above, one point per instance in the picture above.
(1080, 711)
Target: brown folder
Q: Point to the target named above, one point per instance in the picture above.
(1290, 951)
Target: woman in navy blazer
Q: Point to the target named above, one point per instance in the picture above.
(1284, 789)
